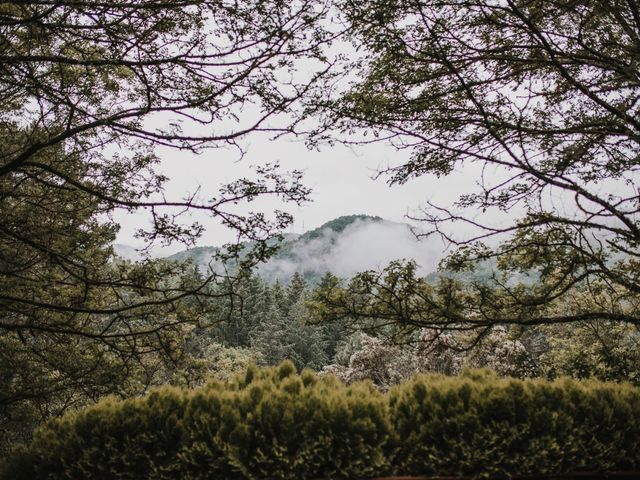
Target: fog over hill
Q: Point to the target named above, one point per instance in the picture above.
(349, 245)
(343, 246)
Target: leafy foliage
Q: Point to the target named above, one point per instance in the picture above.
(388, 364)
(88, 93)
(603, 350)
(398, 303)
(538, 101)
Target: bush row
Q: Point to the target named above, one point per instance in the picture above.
(277, 424)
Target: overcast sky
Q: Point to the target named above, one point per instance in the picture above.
(340, 177)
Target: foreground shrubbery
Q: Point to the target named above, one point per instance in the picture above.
(269, 423)
(479, 424)
(276, 424)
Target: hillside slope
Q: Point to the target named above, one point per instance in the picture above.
(343, 246)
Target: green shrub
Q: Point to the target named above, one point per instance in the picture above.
(277, 424)
(481, 425)
(269, 424)
(134, 439)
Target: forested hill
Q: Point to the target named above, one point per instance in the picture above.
(343, 246)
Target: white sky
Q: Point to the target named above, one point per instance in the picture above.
(340, 177)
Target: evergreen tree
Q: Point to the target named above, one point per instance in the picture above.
(238, 314)
(309, 345)
(270, 337)
(278, 295)
(284, 332)
(297, 286)
(333, 332)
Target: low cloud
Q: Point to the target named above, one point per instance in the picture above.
(363, 245)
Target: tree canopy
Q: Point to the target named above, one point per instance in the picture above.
(540, 100)
(88, 92)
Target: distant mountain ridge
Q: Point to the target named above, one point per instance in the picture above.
(339, 224)
(343, 246)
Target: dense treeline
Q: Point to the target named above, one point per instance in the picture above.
(268, 323)
(276, 424)
(273, 321)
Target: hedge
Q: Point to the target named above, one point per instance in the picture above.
(480, 425)
(270, 423)
(277, 424)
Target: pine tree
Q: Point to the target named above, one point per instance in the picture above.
(297, 286)
(240, 313)
(284, 333)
